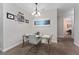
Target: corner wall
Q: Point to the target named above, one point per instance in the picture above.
(76, 26)
(60, 29)
(1, 26)
(62, 14)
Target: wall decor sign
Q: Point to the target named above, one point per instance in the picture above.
(10, 16)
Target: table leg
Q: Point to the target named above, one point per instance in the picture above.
(49, 46)
(23, 42)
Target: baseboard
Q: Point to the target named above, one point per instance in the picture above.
(14, 45)
(54, 41)
(60, 36)
(0, 49)
(77, 44)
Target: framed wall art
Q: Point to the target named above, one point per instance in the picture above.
(10, 16)
(26, 21)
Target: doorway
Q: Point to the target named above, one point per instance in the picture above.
(67, 27)
(68, 22)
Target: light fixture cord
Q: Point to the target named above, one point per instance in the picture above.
(36, 7)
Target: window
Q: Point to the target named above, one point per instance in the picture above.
(41, 22)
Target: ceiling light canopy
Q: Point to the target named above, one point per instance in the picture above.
(36, 12)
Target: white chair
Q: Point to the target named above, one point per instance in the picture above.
(46, 39)
(33, 39)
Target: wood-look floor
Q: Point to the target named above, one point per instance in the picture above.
(63, 47)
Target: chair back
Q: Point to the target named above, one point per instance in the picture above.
(33, 39)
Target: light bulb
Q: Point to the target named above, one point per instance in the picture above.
(36, 14)
(39, 13)
(33, 13)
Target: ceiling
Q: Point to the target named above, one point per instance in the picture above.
(30, 7)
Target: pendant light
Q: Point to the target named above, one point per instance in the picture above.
(36, 12)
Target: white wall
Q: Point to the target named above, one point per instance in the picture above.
(1, 26)
(13, 30)
(60, 29)
(76, 26)
(52, 28)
